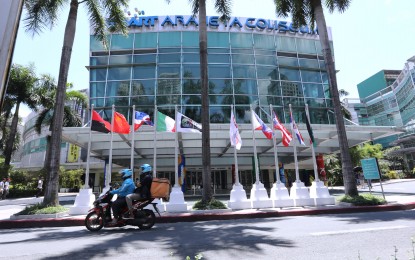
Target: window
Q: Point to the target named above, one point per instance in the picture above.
(306, 46)
(121, 42)
(144, 72)
(169, 39)
(290, 74)
(97, 89)
(286, 44)
(218, 39)
(98, 74)
(219, 71)
(118, 88)
(262, 41)
(119, 73)
(241, 40)
(190, 39)
(145, 40)
(240, 71)
(143, 87)
(311, 76)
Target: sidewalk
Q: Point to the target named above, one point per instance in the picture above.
(396, 201)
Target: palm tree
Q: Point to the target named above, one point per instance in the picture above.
(312, 11)
(44, 13)
(20, 90)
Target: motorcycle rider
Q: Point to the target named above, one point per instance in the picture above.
(126, 188)
(143, 187)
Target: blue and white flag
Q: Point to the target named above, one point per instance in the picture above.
(140, 119)
(295, 129)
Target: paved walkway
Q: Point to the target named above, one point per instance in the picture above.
(396, 201)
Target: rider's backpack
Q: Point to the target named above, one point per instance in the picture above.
(160, 188)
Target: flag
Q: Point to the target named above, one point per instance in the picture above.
(187, 125)
(140, 119)
(121, 125)
(259, 125)
(286, 136)
(295, 129)
(165, 123)
(310, 131)
(236, 140)
(99, 124)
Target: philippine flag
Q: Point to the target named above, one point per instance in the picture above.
(295, 129)
(140, 119)
(259, 125)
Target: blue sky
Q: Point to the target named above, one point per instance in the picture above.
(370, 36)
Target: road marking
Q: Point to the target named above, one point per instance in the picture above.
(340, 232)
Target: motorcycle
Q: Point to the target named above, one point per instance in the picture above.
(100, 216)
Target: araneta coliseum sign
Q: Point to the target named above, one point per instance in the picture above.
(213, 23)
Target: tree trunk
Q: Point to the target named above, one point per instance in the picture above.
(206, 170)
(347, 169)
(8, 150)
(51, 191)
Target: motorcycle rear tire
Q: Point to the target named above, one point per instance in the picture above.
(150, 220)
(94, 221)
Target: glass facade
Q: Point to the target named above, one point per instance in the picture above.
(160, 68)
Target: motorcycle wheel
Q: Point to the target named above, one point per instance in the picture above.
(94, 221)
(150, 219)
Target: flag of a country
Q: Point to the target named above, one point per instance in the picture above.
(121, 125)
(99, 124)
(165, 123)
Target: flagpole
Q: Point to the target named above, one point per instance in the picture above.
(297, 174)
(235, 156)
(132, 140)
(86, 185)
(108, 180)
(312, 147)
(176, 154)
(277, 169)
(155, 142)
(255, 152)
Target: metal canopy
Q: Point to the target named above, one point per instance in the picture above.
(221, 150)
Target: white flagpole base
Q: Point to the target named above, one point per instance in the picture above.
(280, 197)
(83, 202)
(259, 197)
(238, 198)
(176, 202)
(300, 195)
(320, 193)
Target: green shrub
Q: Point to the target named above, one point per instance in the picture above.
(40, 209)
(213, 204)
(391, 175)
(363, 200)
(21, 193)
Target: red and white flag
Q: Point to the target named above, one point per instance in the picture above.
(236, 140)
(286, 136)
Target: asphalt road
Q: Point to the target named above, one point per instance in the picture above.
(377, 235)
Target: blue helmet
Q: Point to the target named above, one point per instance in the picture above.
(145, 168)
(126, 173)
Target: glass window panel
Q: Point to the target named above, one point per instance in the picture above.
(245, 100)
(168, 86)
(240, 71)
(169, 39)
(218, 50)
(294, 101)
(262, 41)
(244, 59)
(290, 74)
(168, 71)
(324, 78)
(218, 58)
(191, 58)
(97, 89)
(193, 112)
(313, 90)
(190, 39)
(219, 114)
(268, 87)
(142, 101)
(170, 100)
(243, 51)
(220, 86)
(98, 102)
(220, 99)
(191, 86)
(291, 89)
(270, 100)
(191, 71)
(145, 40)
(120, 59)
(144, 72)
(285, 44)
(143, 87)
(310, 76)
(306, 63)
(145, 58)
(322, 64)
(192, 100)
(316, 102)
(266, 60)
(96, 61)
(98, 74)
(119, 73)
(95, 44)
(287, 62)
(117, 101)
(216, 39)
(118, 88)
(243, 114)
(219, 71)
(169, 50)
(306, 46)
(243, 86)
(169, 58)
(318, 116)
(194, 50)
(318, 48)
(241, 40)
(121, 42)
(265, 52)
(267, 72)
(327, 92)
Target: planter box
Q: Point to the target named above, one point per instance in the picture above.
(64, 190)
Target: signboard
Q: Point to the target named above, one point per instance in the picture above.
(370, 168)
(73, 153)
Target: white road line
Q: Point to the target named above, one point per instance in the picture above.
(328, 233)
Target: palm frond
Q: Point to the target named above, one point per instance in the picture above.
(195, 6)
(97, 21)
(71, 118)
(41, 14)
(282, 7)
(340, 5)
(44, 118)
(114, 9)
(223, 7)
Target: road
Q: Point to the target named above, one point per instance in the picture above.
(347, 236)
